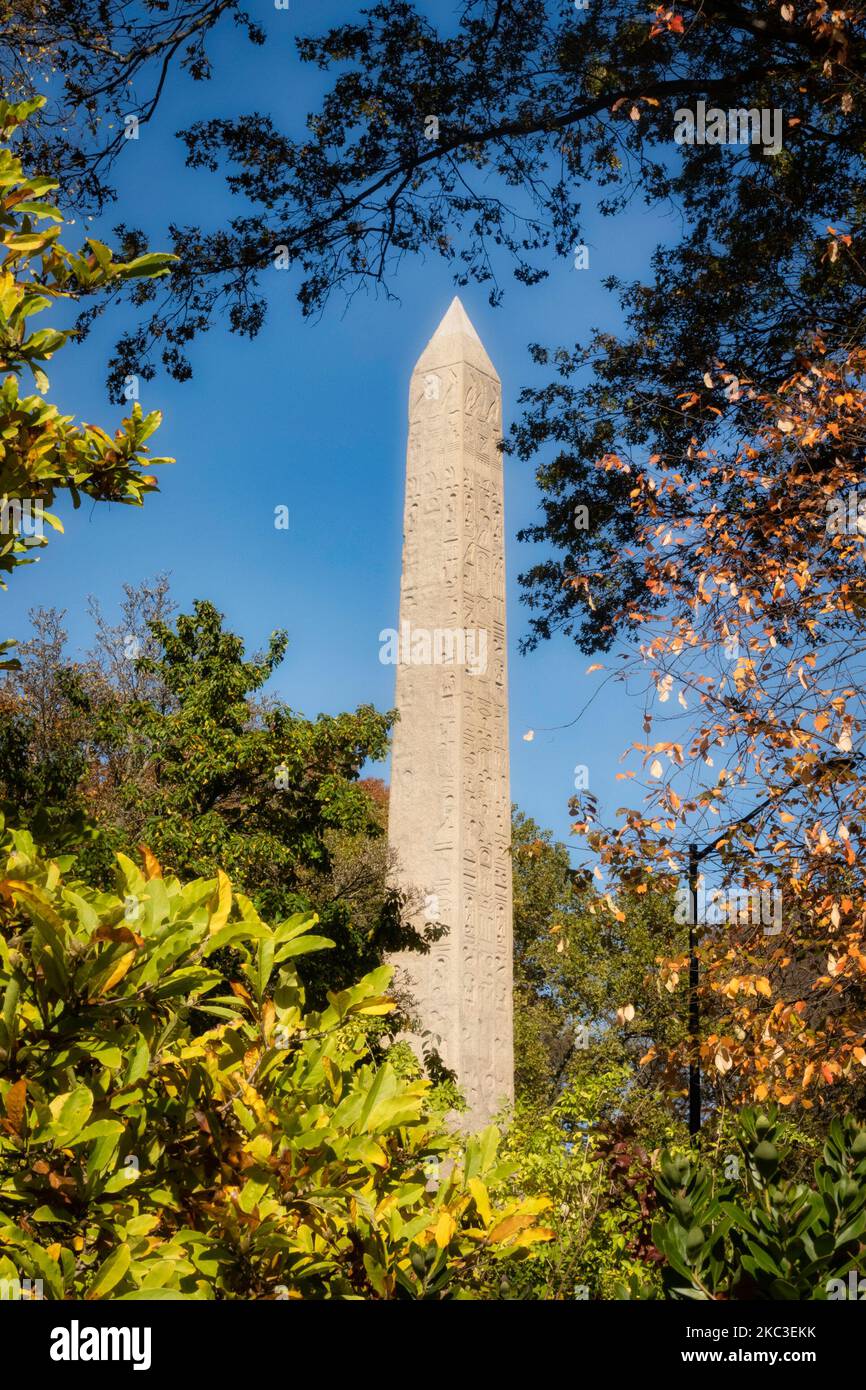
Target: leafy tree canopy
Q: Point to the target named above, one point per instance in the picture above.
(478, 139)
(537, 106)
(164, 737)
(586, 982)
(105, 63)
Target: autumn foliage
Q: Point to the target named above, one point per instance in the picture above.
(750, 635)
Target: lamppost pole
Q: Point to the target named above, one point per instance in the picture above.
(695, 857)
(694, 1002)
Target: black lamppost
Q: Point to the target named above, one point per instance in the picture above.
(695, 857)
(694, 1005)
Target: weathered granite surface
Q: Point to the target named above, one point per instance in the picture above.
(450, 811)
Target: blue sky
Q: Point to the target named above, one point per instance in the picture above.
(312, 415)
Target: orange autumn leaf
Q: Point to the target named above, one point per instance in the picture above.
(152, 866)
(15, 1100)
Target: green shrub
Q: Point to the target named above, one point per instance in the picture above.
(746, 1230)
(599, 1180)
(267, 1157)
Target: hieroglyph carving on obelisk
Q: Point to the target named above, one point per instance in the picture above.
(450, 809)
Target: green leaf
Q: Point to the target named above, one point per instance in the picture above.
(761, 1259)
(110, 1272)
(51, 1214)
(160, 1295)
(384, 1085)
(70, 1113)
(100, 251)
(49, 1269)
(100, 1129)
(854, 1229)
(138, 1063)
(302, 946)
(155, 263)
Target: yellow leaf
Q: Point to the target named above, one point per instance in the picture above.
(119, 971)
(445, 1228)
(509, 1226)
(269, 1014)
(8, 886)
(224, 904)
(536, 1234)
(482, 1201)
(373, 1007)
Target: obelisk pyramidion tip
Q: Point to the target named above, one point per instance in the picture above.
(455, 340)
(456, 320)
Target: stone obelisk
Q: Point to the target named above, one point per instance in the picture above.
(450, 808)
